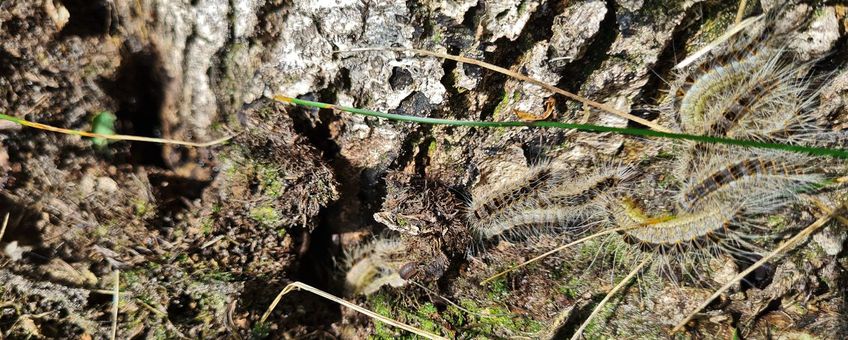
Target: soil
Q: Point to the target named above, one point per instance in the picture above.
(203, 239)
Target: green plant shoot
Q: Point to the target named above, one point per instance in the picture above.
(103, 124)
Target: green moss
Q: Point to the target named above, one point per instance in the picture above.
(496, 116)
(153, 266)
(589, 249)
(472, 320)
(207, 226)
(776, 223)
(380, 305)
(621, 251)
(522, 7)
(216, 275)
(813, 253)
(715, 26)
(431, 149)
(260, 331)
(265, 214)
(595, 328)
(425, 315)
(498, 289)
(182, 258)
(437, 36)
(131, 277)
(271, 181)
(454, 316)
(665, 154)
(142, 208)
(161, 332)
(402, 222)
(232, 171)
(498, 320)
(101, 231)
(572, 287)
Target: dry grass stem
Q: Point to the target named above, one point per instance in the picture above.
(116, 297)
(300, 285)
(3, 228)
(46, 127)
(706, 49)
(741, 11)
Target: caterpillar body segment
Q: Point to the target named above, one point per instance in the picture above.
(533, 222)
(513, 196)
(697, 229)
(762, 181)
(524, 207)
(374, 265)
(697, 102)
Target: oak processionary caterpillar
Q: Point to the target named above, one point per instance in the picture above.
(548, 198)
(373, 265)
(761, 182)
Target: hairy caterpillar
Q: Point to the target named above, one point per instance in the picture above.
(753, 94)
(674, 233)
(762, 181)
(546, 197)
(752, 88)
(373, 265)
(697, 104)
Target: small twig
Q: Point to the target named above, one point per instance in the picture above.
(300, 285)
(212, 241)
(112, 137)
(524, 78)
(116, 297)
(3, 228)
(803, 234)
(106, 291)
(552, 251)
(155, 310)
(606, 299)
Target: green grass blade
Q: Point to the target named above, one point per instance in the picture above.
(817, 151)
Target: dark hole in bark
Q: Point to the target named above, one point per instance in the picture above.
(139, 89)
(87, 18)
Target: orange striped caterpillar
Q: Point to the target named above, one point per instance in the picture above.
(676, 243)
